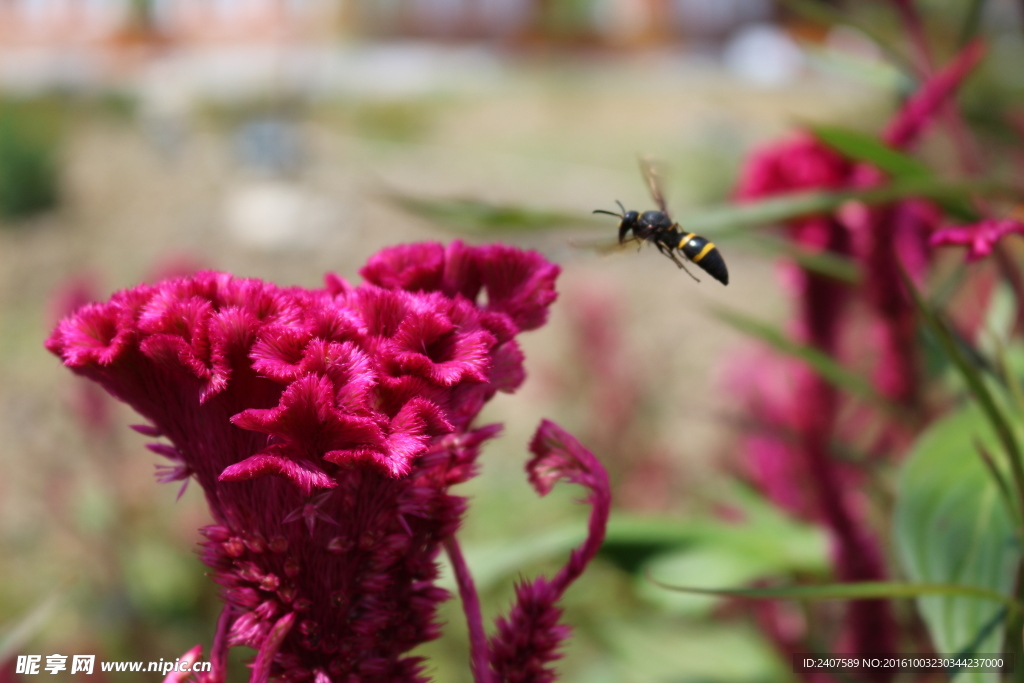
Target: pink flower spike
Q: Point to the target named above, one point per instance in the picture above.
(528, 640)
(558, 455)
(979, 238)
(925, 104)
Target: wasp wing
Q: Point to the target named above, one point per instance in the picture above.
(653, 178)
(605, 247)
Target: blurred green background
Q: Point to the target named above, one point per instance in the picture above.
(282, 140)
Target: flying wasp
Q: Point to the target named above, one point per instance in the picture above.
(658, 228)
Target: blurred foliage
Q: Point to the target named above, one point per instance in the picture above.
(471, 216)
(951, 526)
(395, 121)
(117, 104)
(30, 132)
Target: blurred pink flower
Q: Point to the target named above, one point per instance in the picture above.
(325, 427)
(925, 104)
(979, 238)
(791, 453)
(803, 163)
(800, 162)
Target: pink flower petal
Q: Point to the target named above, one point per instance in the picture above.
(305, 475)
(979, 238)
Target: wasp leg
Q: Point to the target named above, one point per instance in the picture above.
(696, 279)
(668, 252)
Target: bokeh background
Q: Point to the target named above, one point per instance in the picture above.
(283, 139)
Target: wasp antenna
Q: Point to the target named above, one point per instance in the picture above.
(617, 215)
(621, 207)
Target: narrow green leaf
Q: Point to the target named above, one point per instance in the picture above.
(868, 148)
(997, 477)
(951, 527)
(975, 382)
(1009, 379)
(477, 217)
(972, 19)
(823, 364)
(491, 563)
(473, 216)
(798, 204)
(867, 590)
(821, 263)
(770, 538)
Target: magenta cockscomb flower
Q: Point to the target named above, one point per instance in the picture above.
(326, 428)
(88, 402)
(979, 238)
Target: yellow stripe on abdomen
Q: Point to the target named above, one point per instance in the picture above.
(684, 239)
(704, 252)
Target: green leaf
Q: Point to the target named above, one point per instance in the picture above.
(971, 372)
(866, 590)
(767, 540)
(823, 364)
(821, 263)
(729, 565)
(477, 217)
(972, 19)
(737, 217)
(951, 526)
(473, 216)
(491, 563)
(767, 537)
(652, 650)
(868, 148)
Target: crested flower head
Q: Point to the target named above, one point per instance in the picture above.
(325, 428)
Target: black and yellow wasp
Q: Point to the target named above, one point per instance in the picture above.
(659, 228)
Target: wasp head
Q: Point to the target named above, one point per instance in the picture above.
(629, 222)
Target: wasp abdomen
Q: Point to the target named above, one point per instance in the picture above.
(706, 255)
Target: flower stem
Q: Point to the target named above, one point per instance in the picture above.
(471, 606)
(1013, 278)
